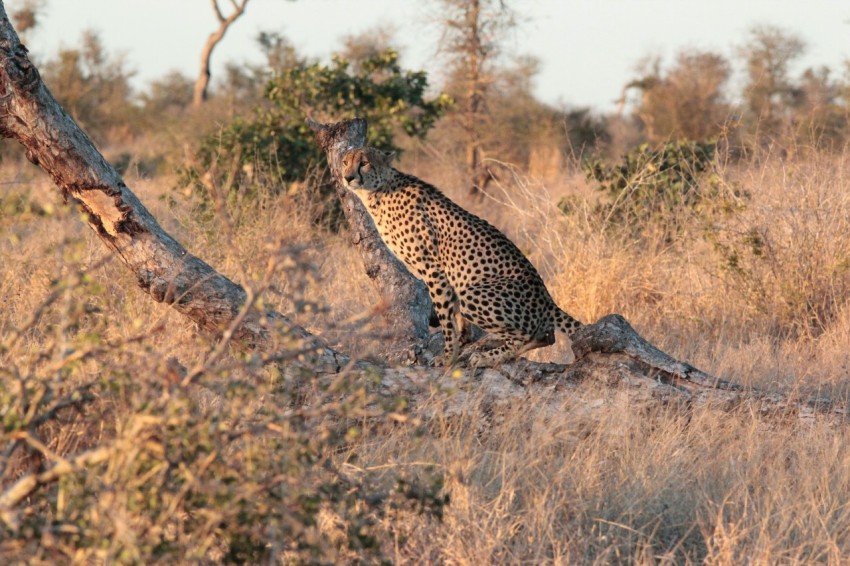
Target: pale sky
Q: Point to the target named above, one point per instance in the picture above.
(588, 48)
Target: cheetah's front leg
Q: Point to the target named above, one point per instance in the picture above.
(447, 307)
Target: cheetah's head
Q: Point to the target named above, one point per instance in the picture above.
(366, 168)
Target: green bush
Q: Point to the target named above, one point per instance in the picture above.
(277, 143)
(652, 186)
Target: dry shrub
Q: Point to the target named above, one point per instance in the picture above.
(788, 251)
(556, 481)
(223, 463)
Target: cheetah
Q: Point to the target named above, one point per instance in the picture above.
(473, 272)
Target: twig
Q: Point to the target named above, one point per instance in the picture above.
(25, 486)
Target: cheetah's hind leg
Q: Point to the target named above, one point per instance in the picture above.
(509, 350)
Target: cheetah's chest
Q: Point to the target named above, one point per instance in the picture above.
(403, 226)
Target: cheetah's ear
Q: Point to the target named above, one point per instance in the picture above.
(389, 157)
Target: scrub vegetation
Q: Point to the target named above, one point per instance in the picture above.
(717, 222)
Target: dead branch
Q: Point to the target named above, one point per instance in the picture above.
(409, 303)
(62, 467)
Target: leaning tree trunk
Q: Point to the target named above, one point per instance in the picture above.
(162, 267)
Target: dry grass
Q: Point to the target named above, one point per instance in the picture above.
(533, 485)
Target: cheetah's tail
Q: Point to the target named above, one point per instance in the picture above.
(565, 323)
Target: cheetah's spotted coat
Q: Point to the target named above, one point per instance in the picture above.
(473, 272)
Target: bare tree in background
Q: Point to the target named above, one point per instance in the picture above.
(472, 30)
(224, 22)
(769, 92)
(27, 16)
(687, 100)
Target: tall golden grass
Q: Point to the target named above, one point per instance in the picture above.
(221, 469)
